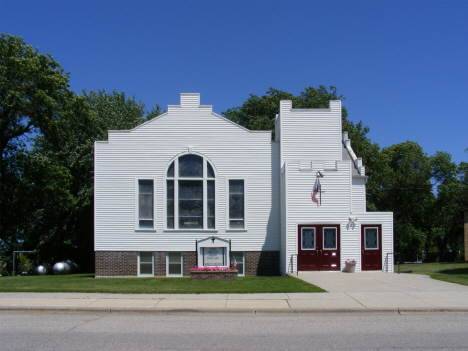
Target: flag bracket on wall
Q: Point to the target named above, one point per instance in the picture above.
(317, 189)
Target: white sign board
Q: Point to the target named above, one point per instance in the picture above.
(213, 256)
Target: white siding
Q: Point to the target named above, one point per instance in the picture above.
(311, 141)
(284, 268)
(146, 152)
(358, 195)
(310, 134)
(279, 178)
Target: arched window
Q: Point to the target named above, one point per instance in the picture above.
(190, 189)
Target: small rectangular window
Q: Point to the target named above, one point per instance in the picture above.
(308, 239)
(236, 204)
(329, 239)
(371, 238)
(239, 258)
(145, 204)
(146, 263)
(174, 263)
(170, 204)
(211, 204)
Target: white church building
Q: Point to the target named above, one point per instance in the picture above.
(191, 187)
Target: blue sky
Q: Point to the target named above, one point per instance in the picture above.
(401, 65)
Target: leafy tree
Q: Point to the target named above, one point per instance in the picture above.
(452, 194)
(33, 90)
(59, 174)
(47, 135)
(405, 188)
(33, 97)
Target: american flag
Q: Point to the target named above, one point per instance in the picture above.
(315, 191)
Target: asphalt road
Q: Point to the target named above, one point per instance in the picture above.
(131, 331)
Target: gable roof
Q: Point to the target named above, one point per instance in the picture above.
(189, 101)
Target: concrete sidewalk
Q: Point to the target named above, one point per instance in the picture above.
(359, 292)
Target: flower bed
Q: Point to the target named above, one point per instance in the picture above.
(213, 273)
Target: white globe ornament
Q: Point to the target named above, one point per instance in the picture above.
(61, 268)
(40, 270)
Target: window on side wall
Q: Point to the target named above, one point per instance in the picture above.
(236, 206)
(190, 194)
(145, 201)
(145, 263)
(239, 257)
(174, 264)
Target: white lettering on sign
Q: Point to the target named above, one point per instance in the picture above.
(213, 256)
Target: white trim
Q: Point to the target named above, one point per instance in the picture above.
(315, 238)
(228, 223)
(181, 264)
(137, 205)
(152, 265)
(192, 230)
(323, 238)
(378, 244)
(204, 180)
(94, 195)
(210, 243)
(243, 261)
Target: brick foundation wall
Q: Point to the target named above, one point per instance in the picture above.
(201, 275)
(190, 260)
(160, 264)
(125, 263)
(116, 263)
(262, 263)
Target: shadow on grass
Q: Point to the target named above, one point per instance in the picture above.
(454, 271)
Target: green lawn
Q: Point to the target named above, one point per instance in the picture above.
(87, 283)
(448, 272)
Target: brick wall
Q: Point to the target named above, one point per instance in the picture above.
(262, 263)
(190, 260)
(160, 264)
(125, 263)
(220, 275)
(116, 263)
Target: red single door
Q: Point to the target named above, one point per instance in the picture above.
(318, 248)
(307, 257)
(371, 247)
(329, 256)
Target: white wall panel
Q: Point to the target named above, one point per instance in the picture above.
(358, 195)
(310, 134)
(147, 150)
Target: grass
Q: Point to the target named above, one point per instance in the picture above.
(86, 283)
(448, 272)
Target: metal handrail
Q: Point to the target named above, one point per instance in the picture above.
(292, 264)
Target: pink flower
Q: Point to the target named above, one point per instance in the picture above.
(214, 268)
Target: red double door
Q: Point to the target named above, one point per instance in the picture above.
(319, 248)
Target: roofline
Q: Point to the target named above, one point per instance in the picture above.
(238, 125)
(166, 113)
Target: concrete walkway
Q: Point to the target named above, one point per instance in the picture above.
(358, 292)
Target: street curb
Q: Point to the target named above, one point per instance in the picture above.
(244, 311)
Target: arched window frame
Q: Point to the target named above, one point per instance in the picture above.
(205, 180)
